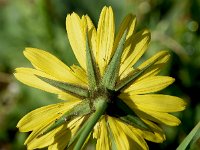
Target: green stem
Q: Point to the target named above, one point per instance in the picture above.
(100, 105)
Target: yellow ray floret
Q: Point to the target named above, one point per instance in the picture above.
(134, 135)
(105, 38)
(149, 85)
(76, 27)
(47, 114)
(139, 45)
(51, 65)
(120, 138)
(28, 77)
(101, 133)
(155, 102)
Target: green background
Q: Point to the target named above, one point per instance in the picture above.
(174, 25)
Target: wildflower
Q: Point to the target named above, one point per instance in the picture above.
(107, 97)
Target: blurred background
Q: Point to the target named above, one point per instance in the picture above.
(174, 25)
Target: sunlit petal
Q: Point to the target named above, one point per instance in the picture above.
(47, 114)
(76, 31)
(155, 102)
(102, 135)
(139, 45)
(105, 38)
(149, 85)
(156, 136)
(120, 138)
(161, 59)
(62, 137)
(158, 117)
(92, 36)
(134, 135)
(51, 65)
(28, 77)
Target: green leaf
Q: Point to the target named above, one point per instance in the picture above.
(138, 73)
(189, 138)
(100, 106)
(112, 71)
(81, 109)
(91, 67)
(66, 87)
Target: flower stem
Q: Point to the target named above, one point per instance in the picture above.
(100, 105)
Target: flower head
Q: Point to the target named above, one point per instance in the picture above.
(107, 97)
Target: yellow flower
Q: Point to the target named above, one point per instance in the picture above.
(107, 96)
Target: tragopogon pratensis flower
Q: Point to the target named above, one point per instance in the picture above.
(107, 97)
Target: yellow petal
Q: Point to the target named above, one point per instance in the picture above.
(156, 136)
(27, 76)
(68, 97)
(155, 102)
(76, 31)
(105, 38)
(139, 45)
(161, 58)
(149, 85)
(36, 132)
(62, 142)
(43, 115)
(154, 127)
(58, 137)
(62, 137)
(158, 117)
(92, 36)
(153, 137)
(45, 140)
(120, 138)
(134, 135)
(75, 124)
(127, 24)
(80, 74)
(102, 135)
(50, 65)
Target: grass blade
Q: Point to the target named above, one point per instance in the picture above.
(189, 137)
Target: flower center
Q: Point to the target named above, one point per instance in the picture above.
(109, 96)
